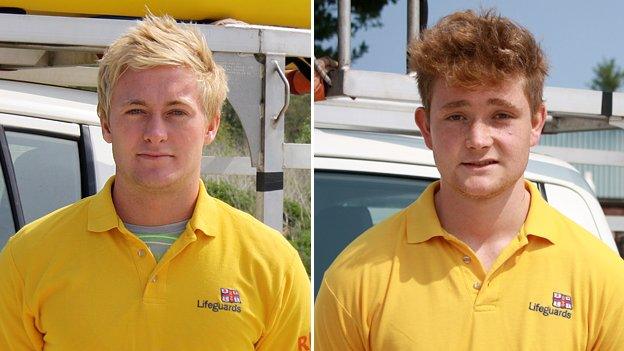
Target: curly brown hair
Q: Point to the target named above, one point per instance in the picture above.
(472, 50)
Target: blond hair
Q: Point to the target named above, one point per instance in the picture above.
(471, 50)
(160, 41)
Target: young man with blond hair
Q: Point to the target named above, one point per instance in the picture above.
(479, 261)
(152, 262)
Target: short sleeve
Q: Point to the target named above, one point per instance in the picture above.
(334, 327)
(289, 327)
(17, 326)
(609, 317)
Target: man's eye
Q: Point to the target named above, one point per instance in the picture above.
(455, 118)
(503, 116)
(135, 111)
(177, 113)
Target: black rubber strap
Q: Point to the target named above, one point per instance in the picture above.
(607, 103)
(269, 181)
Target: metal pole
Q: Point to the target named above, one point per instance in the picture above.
(413, 25)
(344, 33)
(269, 172)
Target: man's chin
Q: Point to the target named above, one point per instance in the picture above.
(156, 182)
(483, 189)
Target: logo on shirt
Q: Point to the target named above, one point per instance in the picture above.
(561, 306)
(230, 300)
(562, 301)
(230, 295)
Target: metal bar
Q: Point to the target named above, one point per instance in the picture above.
(99, 33)
(75, 76)
(616, 121)
(584, 156)
(413, 24)
(344, 34)
(297, 156)
(286, 90)
(291, 42)
(616, 223)
(269, 177)
(227, 165)
(20, 57)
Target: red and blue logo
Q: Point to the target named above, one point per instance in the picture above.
(562, 301)
(230, 295)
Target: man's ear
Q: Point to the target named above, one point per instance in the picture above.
(537, 124)
(212, 126)
(423, 124)
(106, 132)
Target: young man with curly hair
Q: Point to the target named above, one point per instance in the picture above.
(479, 261)
(152, 262)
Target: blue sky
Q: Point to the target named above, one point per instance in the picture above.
(574, 34)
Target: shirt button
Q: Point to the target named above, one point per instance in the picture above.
(154, 279)
(466, 259)
(141, 252)
(477, 285)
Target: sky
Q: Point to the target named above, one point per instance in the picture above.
(575, 34)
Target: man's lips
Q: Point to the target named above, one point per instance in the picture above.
(479, 163)
(153, 155)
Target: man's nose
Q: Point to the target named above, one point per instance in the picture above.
(155, 130)
(478, 136)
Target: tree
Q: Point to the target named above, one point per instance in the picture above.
(364, 14)
(608, 76)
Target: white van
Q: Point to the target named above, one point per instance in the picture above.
(51, 151)
(369, 164)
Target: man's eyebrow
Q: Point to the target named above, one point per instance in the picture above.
(502, 103)
(455, 104)
(135, 102)
(178, 102)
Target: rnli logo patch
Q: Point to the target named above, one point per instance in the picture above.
(561, 306)
(562, 301)
(230, 295)
(230, 301)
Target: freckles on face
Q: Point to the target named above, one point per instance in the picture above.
(480, 137)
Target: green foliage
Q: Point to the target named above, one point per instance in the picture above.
(297, 226)
(297, 123)
(298, 229)
(244, 200)
(608, 76)
(230, 140)
(364, 14)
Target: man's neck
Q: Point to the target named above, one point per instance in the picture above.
(485, 225)
(140, 206)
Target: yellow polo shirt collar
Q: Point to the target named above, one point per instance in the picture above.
(103, 217)
(423, 222)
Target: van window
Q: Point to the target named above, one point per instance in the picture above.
(47, 170)
(572, 205)
(346, 204)
(7, 226)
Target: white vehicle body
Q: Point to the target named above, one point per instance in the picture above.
(52, 151)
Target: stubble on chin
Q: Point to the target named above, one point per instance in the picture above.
(489, 191)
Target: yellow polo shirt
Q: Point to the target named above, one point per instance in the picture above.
(406, 284)
(77, 279)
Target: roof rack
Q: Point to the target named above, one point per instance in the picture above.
(64, 51)
(570, 110)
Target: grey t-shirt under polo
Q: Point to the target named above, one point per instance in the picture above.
(158, 238)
